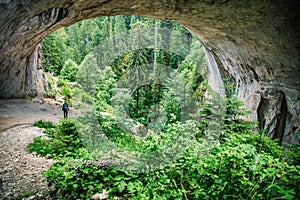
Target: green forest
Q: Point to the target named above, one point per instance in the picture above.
(152, 128)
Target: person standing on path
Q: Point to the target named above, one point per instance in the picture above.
(65, 108)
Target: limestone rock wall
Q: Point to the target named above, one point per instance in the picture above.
(35, 81)
(255, 42)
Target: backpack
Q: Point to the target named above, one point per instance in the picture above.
(65, 106)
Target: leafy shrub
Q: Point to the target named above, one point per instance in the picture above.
(75, 180)
(293, 155)
(81, 98)
(48, 130)
(41, 146)
(43, 124)
(64, 88)
(243, 165)
(69, 70)
(51, 84)
(230, 171)
(61, 82)
(64, 141)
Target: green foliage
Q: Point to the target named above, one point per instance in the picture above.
(172, 106)
(62, 141)
(41, 146)
(43, 124)
(244, 165)
(27, 194)
(198, 61)
(111, 129)
(293, 155)
(88, 74)
(54, 52)
(107, 82)
(52, 92)
(69, 70)
(239, 171)
(65, 139)
(65, 90)
(232, 170)
(81, 99)
(48, 127)
(143, 99)
(204, 150)
(77, 180)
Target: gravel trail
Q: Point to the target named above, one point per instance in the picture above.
(20, 171)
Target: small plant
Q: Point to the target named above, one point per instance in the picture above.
(43, 124)
(27, 194)
(293, 154)
(75, 180)
(41, 146)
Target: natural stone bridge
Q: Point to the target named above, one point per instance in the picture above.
(256, 42)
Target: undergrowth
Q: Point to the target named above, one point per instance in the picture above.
(242, 165)
(61, 141)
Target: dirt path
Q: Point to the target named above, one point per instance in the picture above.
(20, 172)
(24, 111)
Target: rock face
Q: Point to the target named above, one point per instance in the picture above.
(255, 42)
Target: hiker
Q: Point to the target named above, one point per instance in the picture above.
(65, 108)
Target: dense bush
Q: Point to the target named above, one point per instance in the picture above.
(43, 124)
(237, 169)
(176, 163)
(69, 70)
(41, 146)
(61, 141)
(65, 90)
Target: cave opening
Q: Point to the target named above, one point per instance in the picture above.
(256, 43)
(243, 37)
(143, 54)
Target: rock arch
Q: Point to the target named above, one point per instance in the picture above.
(254, 41)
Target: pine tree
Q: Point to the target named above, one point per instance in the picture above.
(69, 70)
(88, 74)
(54, 51)
(105, 86)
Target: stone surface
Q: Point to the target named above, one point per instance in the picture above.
(20, 171)
(255, 42)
